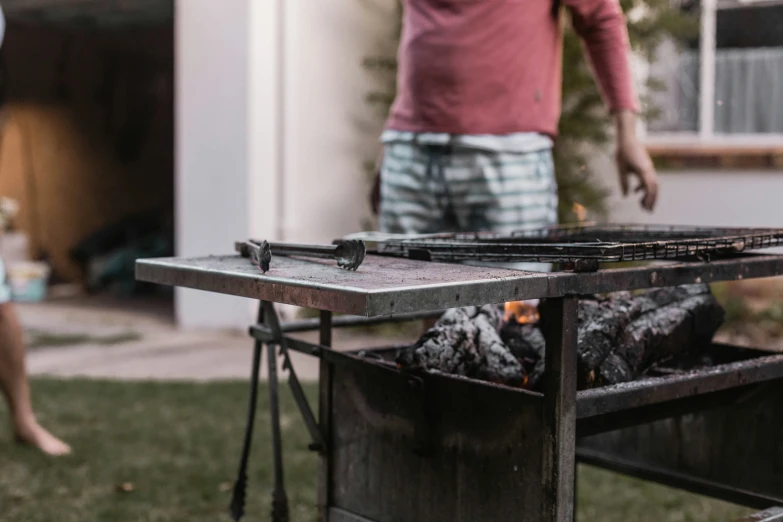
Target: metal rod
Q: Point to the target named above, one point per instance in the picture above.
(300, 249)
(272, 331)
(304, 408)
(346, 321)
(576, 489)
(305, 347)
(349, 254)
(648, 392)
(325, 420)
(237, 506)
(559, 321)
(279, 498)
(325, 324)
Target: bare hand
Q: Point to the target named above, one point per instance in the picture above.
(633, 160)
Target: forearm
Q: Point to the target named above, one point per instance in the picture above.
(601, 25)
(625, 124)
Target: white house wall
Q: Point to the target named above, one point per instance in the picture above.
(330, 129)
(231, 180)
(705, 198)
(220, 117)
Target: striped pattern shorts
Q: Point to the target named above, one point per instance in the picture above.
(436, 188)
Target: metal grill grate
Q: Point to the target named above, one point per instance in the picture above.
(577, 243)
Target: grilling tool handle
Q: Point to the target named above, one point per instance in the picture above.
(258, 252)
(349, 254)
(294, 249)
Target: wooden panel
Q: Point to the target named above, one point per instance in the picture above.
(485, 462)
(78, 104)
(721, 157)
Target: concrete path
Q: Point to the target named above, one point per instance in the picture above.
(106, 338)
(142, 344)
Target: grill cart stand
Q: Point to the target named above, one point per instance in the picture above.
(402, 447)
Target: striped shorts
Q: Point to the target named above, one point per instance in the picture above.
(5, 288)
(436, 188)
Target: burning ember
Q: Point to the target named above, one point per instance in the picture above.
(579, 211)
(523, 312)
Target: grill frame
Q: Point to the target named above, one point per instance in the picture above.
(586, 242)
(386, 286)
(394, 435)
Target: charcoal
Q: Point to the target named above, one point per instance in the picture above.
(620, 337)
(466, 342)
(683, 317)
(527, 344)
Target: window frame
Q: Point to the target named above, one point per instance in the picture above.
(705, 135)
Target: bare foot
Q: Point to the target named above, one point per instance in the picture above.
(36, 436)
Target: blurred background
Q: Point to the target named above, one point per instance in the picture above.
(147, 128)
(141, 128)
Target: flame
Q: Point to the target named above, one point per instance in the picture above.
(580, 211)
(523, 312)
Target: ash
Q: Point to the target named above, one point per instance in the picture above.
(620, 337)
(466, 341)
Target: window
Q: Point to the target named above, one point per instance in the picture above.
(726, 86)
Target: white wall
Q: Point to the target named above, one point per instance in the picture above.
(221, 115)
(701, 198)
(239, 107)
(330, 129)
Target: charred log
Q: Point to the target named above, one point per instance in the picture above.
(465, 341)
(619, 338)
(527, 344)
(623, 335)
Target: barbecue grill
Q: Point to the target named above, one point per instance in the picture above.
(405, 447)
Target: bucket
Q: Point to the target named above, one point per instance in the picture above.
(14, 247)
(28, 281)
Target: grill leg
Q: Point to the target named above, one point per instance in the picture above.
(279, 497)
(237, 506)
(576, 491)
(559, 452)
(324, 419)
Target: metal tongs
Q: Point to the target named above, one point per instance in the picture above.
(349, 253)
(259, 252)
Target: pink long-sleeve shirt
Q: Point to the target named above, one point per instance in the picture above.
(495, 66)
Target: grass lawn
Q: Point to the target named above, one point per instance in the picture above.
(168, 452)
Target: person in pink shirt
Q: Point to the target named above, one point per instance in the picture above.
(468, 142)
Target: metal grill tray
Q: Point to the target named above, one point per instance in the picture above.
(569, 244)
